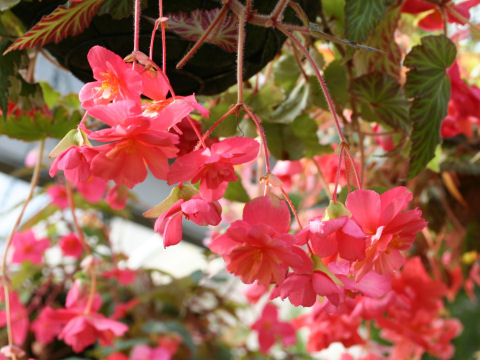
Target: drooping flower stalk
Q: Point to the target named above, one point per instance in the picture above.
(136, 25)
(81, 237)
(6, 287)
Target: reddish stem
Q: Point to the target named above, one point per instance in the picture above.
(285, 195)
(81, 237)
(262, 135)
(219, 121)
(319, 76)
(164, 45)
(213, 24)
(136, 25)
(199, 135)
(355, 173)
(337, 179)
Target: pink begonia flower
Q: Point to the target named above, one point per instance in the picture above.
(329, 165)
(93, 189)
(83, 330)
(254, 292)
(198, 210)
(121, 309)
(385, 141)
(58, 196)
(270, 329)
(213, 166)
(116, 80)
(117, 197)
(123, 276)
(302, 288)
(285, 170)
(45, 327)
(133, 145)
(117, 356)
(26, 247)
(434, 20)
(326, 328)
(144, 352)
(389, 227)
(71, 246)
(75, 163)
(259, 247)
(79, 329)
(19, 317)
(341, 235)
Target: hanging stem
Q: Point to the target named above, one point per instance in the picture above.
(136, 26)
(216, 21)
(81, 237)
(352, 162)
(323, 85)
(240, 51)
(164, 45)
(287, 198)
(6, 286)
(337, 179)
(262, 135)
(199, 135)
(219, 121)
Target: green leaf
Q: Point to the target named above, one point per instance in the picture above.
(265, 100)
(286, 71)
(381, 99)
(117, 9)
(236, 192)
(6, 70)
(50, 96)
(10, 25)
(305, 129)
(336, 79)
(429, 85)
(36, 125)
(382, 38)
(157, 327)
(333, 10)
(294, 104)
(362, 16)
(282, 142)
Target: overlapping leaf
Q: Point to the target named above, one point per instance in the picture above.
(362, 16)
(381, 99)
(429, 85)
(62, 22)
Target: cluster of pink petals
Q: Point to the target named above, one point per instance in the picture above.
(138, 133)
(434, 20)
(196, 209)
(462, 107)
(389, 226)
(259, 247)
(270, 329)
(19, 317)
(71, 246)
(26, 247)
(76, 327)
(213, 166)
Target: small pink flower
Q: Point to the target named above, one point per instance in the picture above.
(123, 276)
(71, 246)
(19, 316)
(213, 166)
(58, 196)
(117, 356)
(45, 327)
(270, 329)
(93, 189)
(117, 197)
(259, 247)
(116, 80)
(75, 163)
(144, 352)
(198, 210)
(83, 330)
(26, 247)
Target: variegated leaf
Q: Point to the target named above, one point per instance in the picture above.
(66, 20)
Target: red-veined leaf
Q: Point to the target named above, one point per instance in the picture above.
(62, 22)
